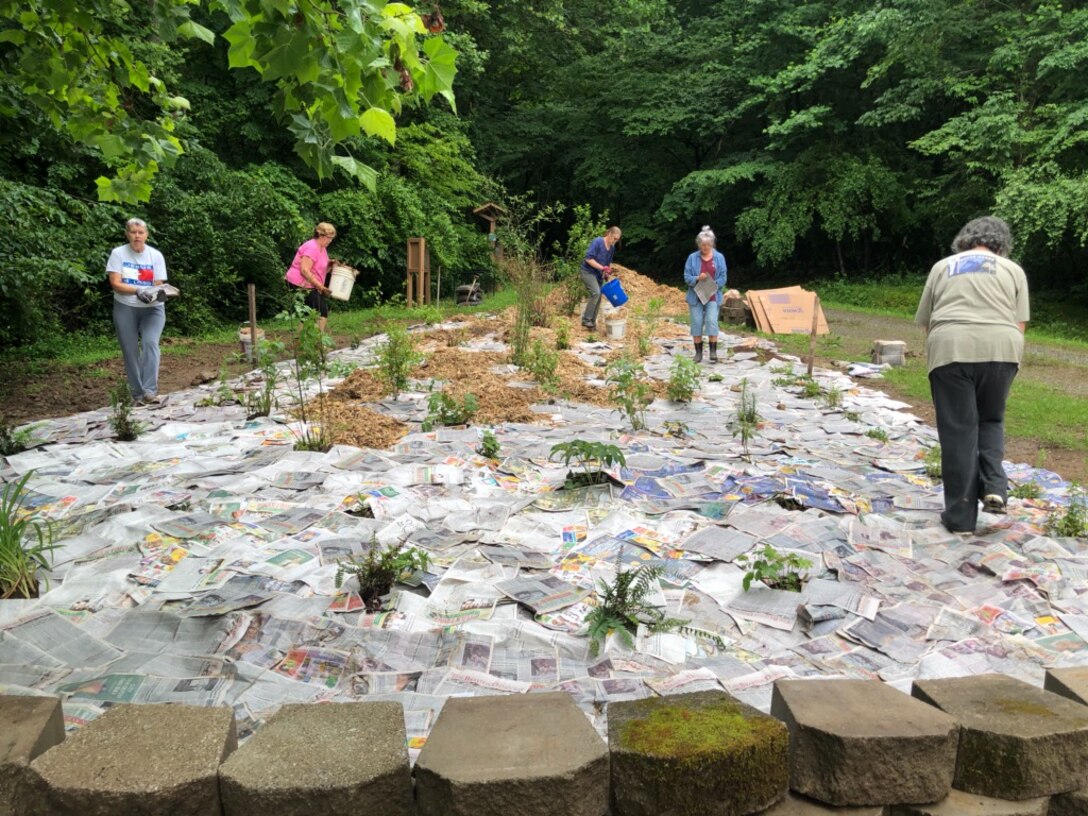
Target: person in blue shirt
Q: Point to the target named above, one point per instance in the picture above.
(596, 269)
(705, 263)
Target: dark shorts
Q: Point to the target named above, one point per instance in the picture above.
(316, 301)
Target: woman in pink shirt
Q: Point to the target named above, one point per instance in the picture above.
(310, 268)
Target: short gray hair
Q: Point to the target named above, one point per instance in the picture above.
(135, 222)
(705, 236)
(988, 231)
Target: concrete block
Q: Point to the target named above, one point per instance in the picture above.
(1069, 683)
(958, 803)
(533, 755)
(1074, 803)
(331, 758)
(705, 753)
(29, 726)
(138, 760)
(797, 805)
(860, 742)
(1016, 741)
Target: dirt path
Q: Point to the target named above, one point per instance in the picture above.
(1064, 370)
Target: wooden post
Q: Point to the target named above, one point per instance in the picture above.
(419, 281)
(438, 295)
(812, 336)
(251, 292)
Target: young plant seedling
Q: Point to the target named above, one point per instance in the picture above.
(590, 459)
(684, 382)
(379, 569)
(630, 389)
(775, 569)
(26, 542)
(446, 410)
(489, 446)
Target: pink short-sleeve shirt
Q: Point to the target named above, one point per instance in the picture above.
(310, 249)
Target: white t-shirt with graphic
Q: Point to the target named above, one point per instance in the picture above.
(136, 269)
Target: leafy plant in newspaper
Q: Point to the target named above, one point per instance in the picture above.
(263, 401)
(443, 409)
(489, 445)
(1072, 522)
(124, 427)
(622, 606)
(397, 356)
(15, 440)
(776, 570)
(932, 461)
(745, 421)
(1026, 490)
(589, 458)
(684, 380)
(26, 543)
(379, 569)
(310, 350)
(543, 363)
(630, 389)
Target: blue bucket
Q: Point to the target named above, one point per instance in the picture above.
(614, 292)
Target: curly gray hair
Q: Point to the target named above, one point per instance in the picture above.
(135, 222)
(705, 236)
(988, 231)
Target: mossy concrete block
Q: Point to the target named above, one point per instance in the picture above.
(860, 742)
(533, 755)
(705, 754)
(138, 760)
(1016, 741)
(958, 803)
(1074, 803)
(797, 805)
(1069, 683)
(29, 726)
(329, 758)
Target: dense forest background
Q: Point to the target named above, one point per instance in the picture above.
(839, 138)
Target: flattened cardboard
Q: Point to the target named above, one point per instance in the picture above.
(786, 311)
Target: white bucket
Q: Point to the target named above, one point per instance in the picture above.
(617, 328)
(343, 278)
(246, 340)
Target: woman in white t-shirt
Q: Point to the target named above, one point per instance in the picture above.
(136, 274)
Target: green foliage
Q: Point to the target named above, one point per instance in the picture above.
(568, 256)
(26, 543)
(562, 334)
(379, 569)
(1072, 520)
(621, 606)
(443, 409)
(15, 440)
(262, 401)
(832, 397)
(877, 433)
(122, 423)
(489, 446)
(310, 346)
(932, 461)
(852, 416)
(745, 421)
(543, 363)
(631, 390)
(528, 278)
(776, 570)
(590, 458)
(810, 388)
(647, 319)
(1026, 490)
(397, 356)
(684, 380)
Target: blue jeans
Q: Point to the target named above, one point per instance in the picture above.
(704, 320)
(138, 332)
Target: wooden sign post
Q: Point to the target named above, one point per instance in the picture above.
(419, 273)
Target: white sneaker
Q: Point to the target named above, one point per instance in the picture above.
(992, 503)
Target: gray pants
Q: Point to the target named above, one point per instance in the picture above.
(138, 332)
(593, 299)
(970, 402)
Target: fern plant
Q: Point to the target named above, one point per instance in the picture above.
(622, 606)
(379, 569)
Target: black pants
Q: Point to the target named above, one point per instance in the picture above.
(316, 301)
(970, 402)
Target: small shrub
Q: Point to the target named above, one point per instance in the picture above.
(622, 606)
(932, 461)
(379, 569)
(26, 543)
(647, 320)
(809, 387)
(562, 335)
(776, 570)
(878, 434)
(590, 458)
(489, 446)
(1026, 490)
(443, 409)
(124, 427)
(543, 363)
(455, 338)
(745, 422)
(397, 356)
(630, 389)
(684, 381)
(1072, 520)
(262, 402)
(832, 397)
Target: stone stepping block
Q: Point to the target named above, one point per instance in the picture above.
(1074, 803)
(959, 803)
(705, 753)
(1069, 683)
(138, 760)
(327, 758)
(29, 726)
(861, 742)
(1016, 741)
(796, 805)
(533, 755)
